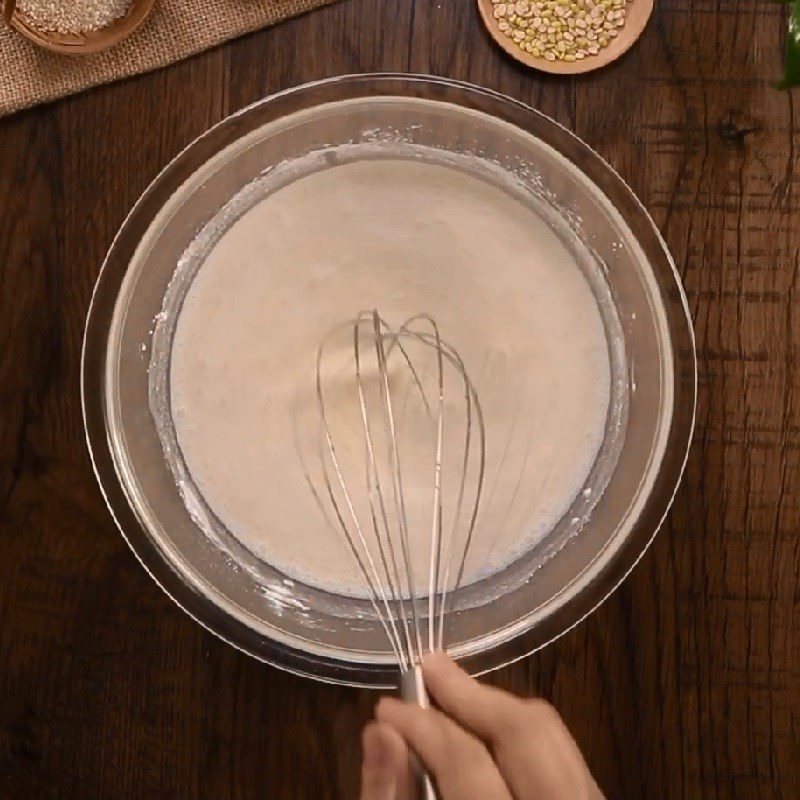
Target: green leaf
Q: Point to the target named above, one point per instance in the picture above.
(791, 75)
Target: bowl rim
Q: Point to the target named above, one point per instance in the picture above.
(236, 633)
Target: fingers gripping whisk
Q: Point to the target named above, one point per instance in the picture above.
(402, 449)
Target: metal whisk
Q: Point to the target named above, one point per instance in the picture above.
(393, 410)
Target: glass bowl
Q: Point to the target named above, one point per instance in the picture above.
(550, 588)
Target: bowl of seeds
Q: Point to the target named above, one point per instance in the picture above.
(76, 27)
(565, 37)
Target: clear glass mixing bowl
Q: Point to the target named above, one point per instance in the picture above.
(540, 595)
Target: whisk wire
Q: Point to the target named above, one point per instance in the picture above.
(389, 576)
(374, 492)
(471, 406)
(375, 588)
(435, 590)
(397, 481)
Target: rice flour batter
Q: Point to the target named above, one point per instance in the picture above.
(404, 237)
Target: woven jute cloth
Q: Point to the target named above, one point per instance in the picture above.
(175, 29)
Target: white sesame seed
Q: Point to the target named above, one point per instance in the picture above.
(73, 16)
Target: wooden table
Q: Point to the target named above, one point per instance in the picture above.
(685, 684)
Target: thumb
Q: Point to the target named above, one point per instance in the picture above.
(385, 771)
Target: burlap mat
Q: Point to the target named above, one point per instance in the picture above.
(176, 29)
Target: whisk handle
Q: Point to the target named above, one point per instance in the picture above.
(412, 690)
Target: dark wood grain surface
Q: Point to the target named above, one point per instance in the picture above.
(685, 684)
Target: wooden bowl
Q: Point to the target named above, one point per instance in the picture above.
(637, 14)
(82, 43)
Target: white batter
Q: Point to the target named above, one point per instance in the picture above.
(404, 237)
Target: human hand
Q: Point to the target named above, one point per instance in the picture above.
(480, 743)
